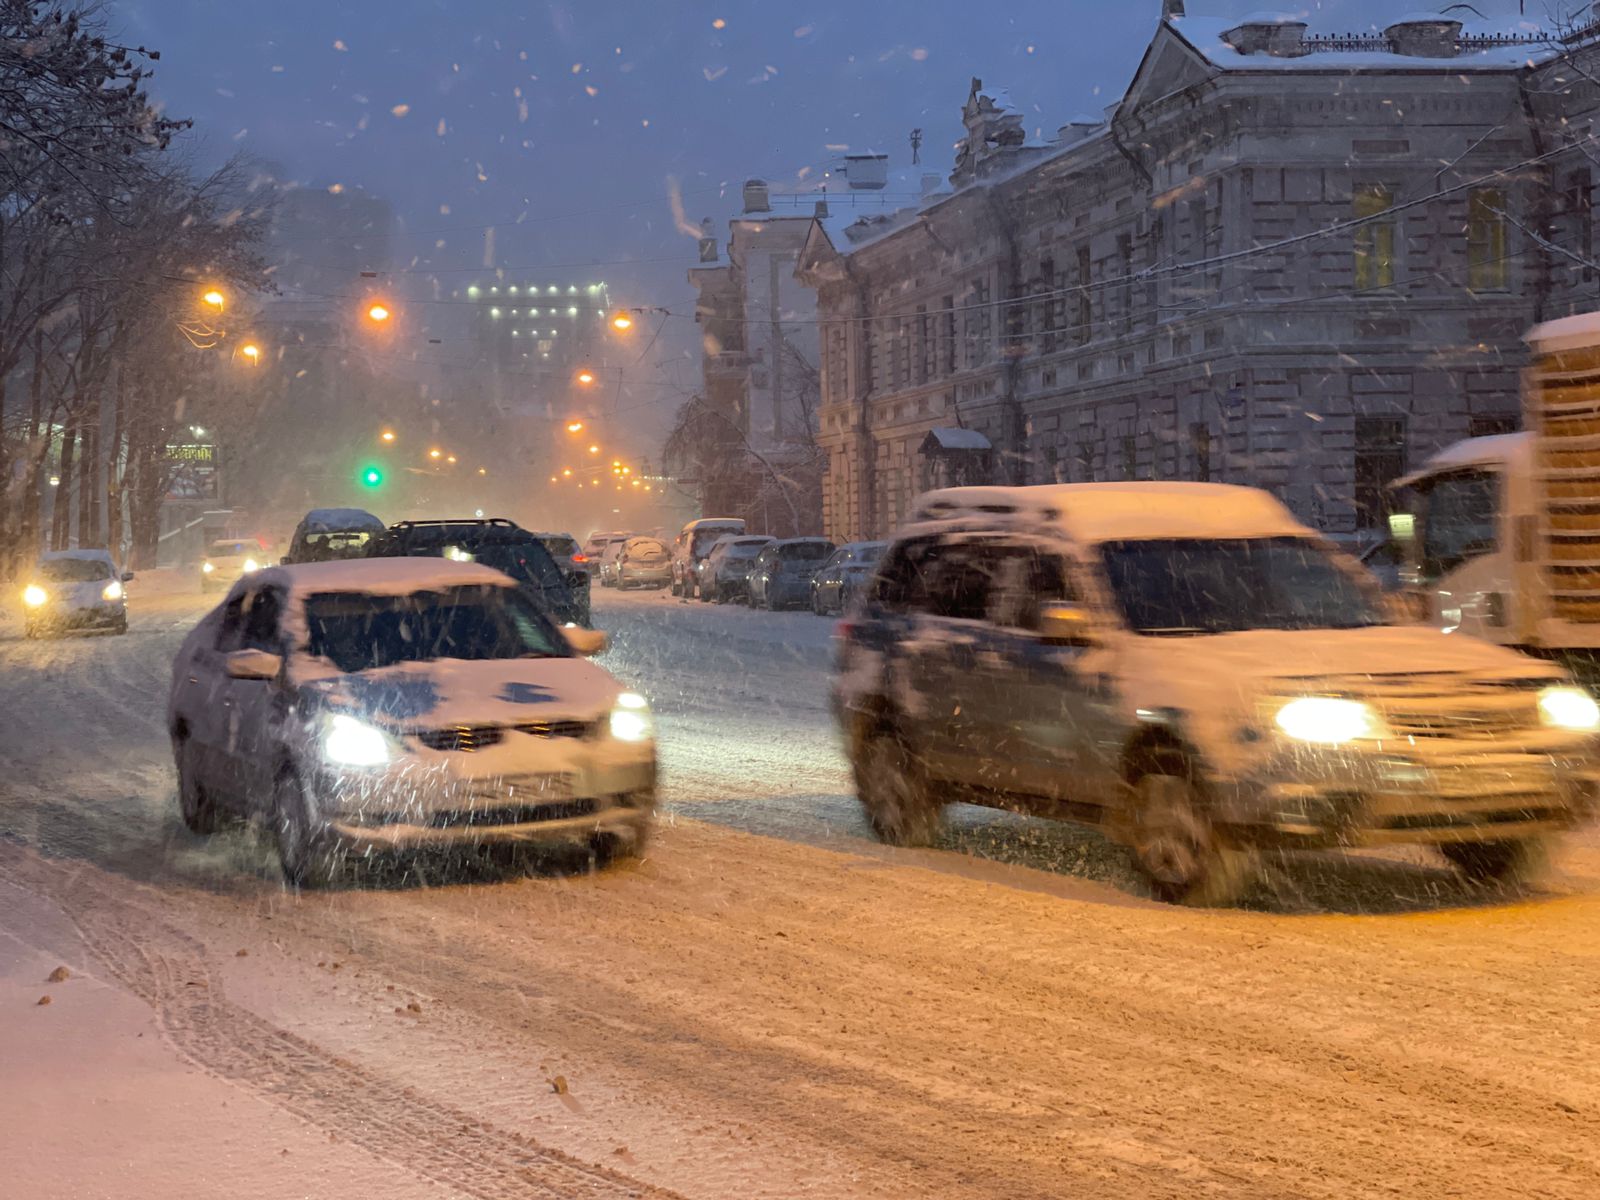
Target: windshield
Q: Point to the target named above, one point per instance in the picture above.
(1458, 514)
(1194, 586)
(359, 632)
(704, 539)
(745, 549)
(805, 552)
(336, 545)
(72, 570)
(560, 547)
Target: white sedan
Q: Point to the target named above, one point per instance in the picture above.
(394, 703)
(75, 589)
(230, 559)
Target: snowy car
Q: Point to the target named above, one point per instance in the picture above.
(1189, 666)
(610, 557)
(693, 546)
(75, 590)
(594, 549)
(332, 534)
(227, 559)
(391, 704)
(836, 582)
(725, 573)
(644, 562)
(781, 574)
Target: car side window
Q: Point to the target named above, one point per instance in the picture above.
(1025, 581)
(261, 623)
(230, 634)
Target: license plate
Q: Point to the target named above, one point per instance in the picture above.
(527, 789)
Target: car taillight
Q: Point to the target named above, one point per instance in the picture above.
(846, 630)
(580, 558)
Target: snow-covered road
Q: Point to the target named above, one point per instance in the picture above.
(770, 1005)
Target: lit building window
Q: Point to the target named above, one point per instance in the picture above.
(514, 333)
(554, 289)
(533, 312)
(573, 311)
(494, 291)
(573, 290)
(494, 312)
(473, 290)
(512, 289)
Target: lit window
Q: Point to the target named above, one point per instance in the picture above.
(494, 312)
(512, 289)
(1374, 239)
(494, 291)
(473, 290)
(593, 289)
(573, 290)
(554, 289)
(1486, 240)
(572, 312)
(552, 333)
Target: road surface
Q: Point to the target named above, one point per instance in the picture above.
(769, 1006)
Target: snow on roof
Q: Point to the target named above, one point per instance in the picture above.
(324, 520)
(1491, 451)
(1110, 512)
(80, 555)
(950, 438)
(380, 576)
(1568, 333)
(1205, 35)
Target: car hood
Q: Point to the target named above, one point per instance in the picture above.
(429, 695)
(84, 594)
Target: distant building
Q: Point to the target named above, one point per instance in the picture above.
(1301, 261)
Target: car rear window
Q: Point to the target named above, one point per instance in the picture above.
(805, 552)
(560, 547)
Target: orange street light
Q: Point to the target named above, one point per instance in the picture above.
(627, 470)
(378, 313)
(252, 352)
(215, 299)
(553, 479)
(387, 435)
(615, 463)
(622, 322)
(594, 449)
(451, 460)
(574, 426)
(483, 470)
(566, 472)
(586, 377)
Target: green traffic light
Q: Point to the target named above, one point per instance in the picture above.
(371, 477)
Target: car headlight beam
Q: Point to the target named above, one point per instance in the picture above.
(1569, 707)
(631, 720)
(352, 743)
(112, 591)
(34, 596)
(206, 568)
(1328, 720)
(251, 564)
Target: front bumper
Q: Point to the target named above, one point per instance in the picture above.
(65, 617)
(1326, 800)
(574, 793)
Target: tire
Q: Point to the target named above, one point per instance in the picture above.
(307, 857)
(894, 791)
(121, 627)
(1175, 847)
(816, 603)
(606, 849)
(677, 588)
(1519, 862)
(196, 805)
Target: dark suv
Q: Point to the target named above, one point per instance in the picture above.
(498, 543)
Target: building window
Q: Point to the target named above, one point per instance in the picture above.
(1374, 238)
(1380, 459)
(1200, 449)
(1125, 284)
(947, 335)
(1486, 240)
(1490, 424)
(1081, 308)
(1130, 456)
(926, 360)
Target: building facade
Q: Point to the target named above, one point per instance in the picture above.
(1291, 260)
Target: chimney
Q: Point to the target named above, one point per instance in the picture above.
(1171, 8)
(756, 198)
(708, 242)
(866, 172)
(1425, 36)
(1278, 35)
(822, 208)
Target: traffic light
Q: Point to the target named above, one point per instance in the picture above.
(371, 477)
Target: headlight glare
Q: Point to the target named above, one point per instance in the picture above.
(353, 743)
(1569, 708)
(630, 719)
(33, 595)
(1327, 720)
(206, 568)
(251, 564)
(112, 591)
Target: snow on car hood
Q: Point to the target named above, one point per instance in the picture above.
(451, 691)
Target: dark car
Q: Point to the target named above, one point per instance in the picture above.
(574, 563)
(781, 577)
(331, 534)
(839, 580)
(498, 543)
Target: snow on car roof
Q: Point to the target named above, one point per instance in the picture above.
(1491, 451)
(330, 520)
(1567, 333)
(380, 576)
(85, 555)
(1109, 512)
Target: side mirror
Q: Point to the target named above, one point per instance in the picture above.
(127, 577)
(253, 664)
(1066, 625)
(587, 642)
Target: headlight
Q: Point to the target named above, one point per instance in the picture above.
(33, 595)
(353, 743)
(251, 564)
(1327, 721)
(112, 591)
(206, 568)
(630, 719)
(1569, 708)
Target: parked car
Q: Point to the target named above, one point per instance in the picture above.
(692, 545)
(574, 563)
(645, 562)
(595, 548)
(781, 574)
(75, 590)
(394, 704)
(498, 543)
(331, 535)
(724, 575)
(1190, 667)
(227, 559)
(609, 558)
(837, 582)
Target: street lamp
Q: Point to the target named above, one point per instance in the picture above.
(566, 472)
(215, 299)
(378, 313)
(451, 460)
(574, 426)
(586, 377)
(252, 352)
(387, 435)
(436, 453)
(594, 449)
(622, 322)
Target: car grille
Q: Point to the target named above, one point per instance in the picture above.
(1450, 717)
(517, 814)
(467, 739)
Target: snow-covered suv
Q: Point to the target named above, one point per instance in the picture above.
(1190, 667)
(388, 703)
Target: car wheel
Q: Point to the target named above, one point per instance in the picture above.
(677, 588)
(606, 848)
(816, 602)
(309, 860)
(195, 803)
(1176, 848)
(121, 627)
(1518, 862)
(894, 790)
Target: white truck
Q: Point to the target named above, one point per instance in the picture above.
(1501, 534)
